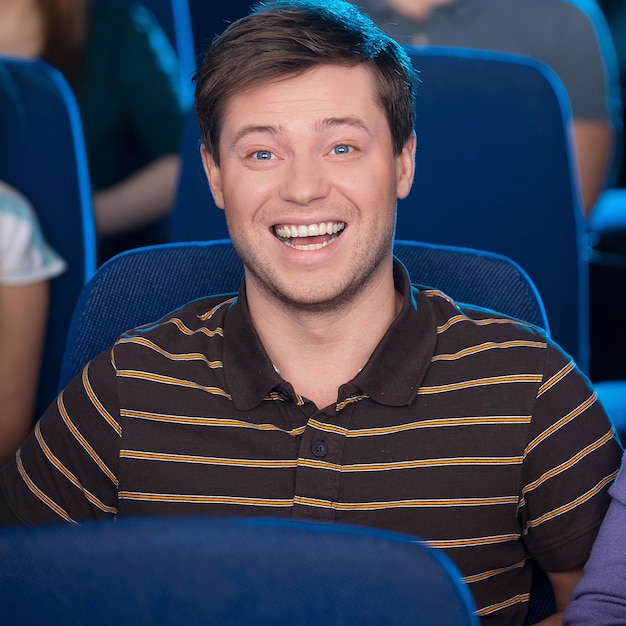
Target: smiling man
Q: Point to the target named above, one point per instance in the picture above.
(329, 387)
(309, 179)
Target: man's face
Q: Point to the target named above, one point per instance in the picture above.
(309, 183)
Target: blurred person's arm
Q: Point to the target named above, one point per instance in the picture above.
(562, 583)
(134, 180)
(23, 317)
(590, 73)
(140, 199)
(594, 150)
(600, 597)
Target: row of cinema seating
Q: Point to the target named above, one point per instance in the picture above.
(494, 172)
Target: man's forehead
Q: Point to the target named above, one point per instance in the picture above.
(335, 91)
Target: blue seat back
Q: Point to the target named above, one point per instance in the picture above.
(175, 20)
(142, 285)
(494, 172)
(233, 571)
(42, 154)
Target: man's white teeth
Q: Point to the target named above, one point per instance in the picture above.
(312, 230)
(287, 233)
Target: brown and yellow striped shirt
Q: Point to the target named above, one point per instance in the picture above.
(466, 428)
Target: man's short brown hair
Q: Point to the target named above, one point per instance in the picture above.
(288, 37)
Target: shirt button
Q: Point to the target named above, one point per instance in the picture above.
(319, 449)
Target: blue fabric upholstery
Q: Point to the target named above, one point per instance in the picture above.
(612, 396)
(140, 286)
(226, 571)
(42, 154)
(482, 278)
(494, 172)
(607, 258)
(609, 215)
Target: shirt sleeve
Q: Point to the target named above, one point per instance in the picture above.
(600, 597)
(25, 255)
(67, 467)
(571, 458)
(582, 53)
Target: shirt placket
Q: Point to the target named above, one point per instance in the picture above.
(318, 468)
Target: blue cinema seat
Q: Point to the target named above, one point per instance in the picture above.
(42, 154)
(226, 571)
(495, 172)
(195, 215)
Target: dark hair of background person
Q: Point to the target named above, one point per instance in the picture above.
(65, 38)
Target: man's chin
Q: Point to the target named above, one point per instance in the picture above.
(313, 300)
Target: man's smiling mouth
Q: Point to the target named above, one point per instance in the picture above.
(310, 236)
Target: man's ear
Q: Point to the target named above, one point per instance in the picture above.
(405, 167)
(213, 174)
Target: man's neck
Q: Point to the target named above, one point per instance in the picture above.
(318, 352)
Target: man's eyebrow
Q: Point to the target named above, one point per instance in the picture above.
(253, 129)
(329, 122)
(348, 120)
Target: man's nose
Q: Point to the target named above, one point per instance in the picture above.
(306, 180)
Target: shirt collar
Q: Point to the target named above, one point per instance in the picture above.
(248, 369)
(391, 376)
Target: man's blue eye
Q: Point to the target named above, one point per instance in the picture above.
(341, 149)
(263, 155)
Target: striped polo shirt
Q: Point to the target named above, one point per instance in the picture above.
(465, 428)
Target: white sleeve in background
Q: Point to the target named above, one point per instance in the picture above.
(25, 256)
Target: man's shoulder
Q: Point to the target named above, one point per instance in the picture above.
(202, 313)
(472, 320)
(493, 342)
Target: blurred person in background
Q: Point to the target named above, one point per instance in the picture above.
(26, 264)
(600, 596)
(125, 75)
(570, 36)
